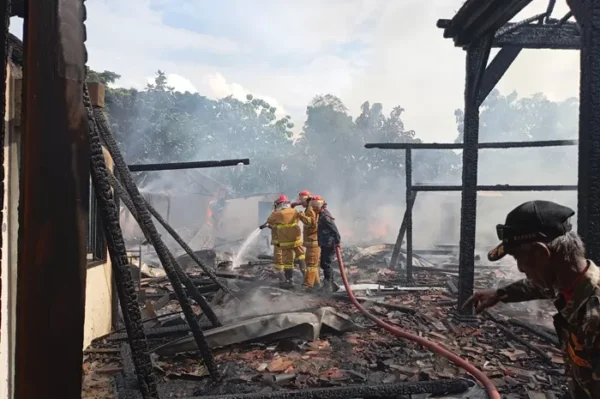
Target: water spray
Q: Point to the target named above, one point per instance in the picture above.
(237, 260)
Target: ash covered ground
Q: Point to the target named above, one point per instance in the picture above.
(276, 340)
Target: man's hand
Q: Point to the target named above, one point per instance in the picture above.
(483, 300)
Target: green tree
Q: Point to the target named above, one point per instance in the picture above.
(106, 77)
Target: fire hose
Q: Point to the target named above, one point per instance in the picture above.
(458, 361)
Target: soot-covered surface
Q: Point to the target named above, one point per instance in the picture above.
(522, 361)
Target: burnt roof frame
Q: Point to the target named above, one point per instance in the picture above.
(477, 27)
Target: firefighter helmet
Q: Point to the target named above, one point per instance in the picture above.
(282, 198)
(317, 201)
(304, 194)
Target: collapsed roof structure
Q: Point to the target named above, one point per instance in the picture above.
(477, 27)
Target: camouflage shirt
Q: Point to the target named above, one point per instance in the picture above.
(577, 324)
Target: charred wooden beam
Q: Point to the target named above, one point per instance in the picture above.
(552, 37)
(578, 9)
(504, 12)
(550, 8)
(481, 146)
(53, 209)
(587, 14)
(478, 18)
(556, 36)
(187, 165)
(499, 187)
(495, 70)
(402, 232)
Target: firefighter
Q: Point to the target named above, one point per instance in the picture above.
(285, 220)
(328, 237)
(303, 199)
(538, 234)
(276, 248)
(310, 221)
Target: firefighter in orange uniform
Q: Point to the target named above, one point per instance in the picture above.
(284, 220)
(310, 221)
(276, 248)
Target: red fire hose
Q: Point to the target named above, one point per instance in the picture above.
(458, 361)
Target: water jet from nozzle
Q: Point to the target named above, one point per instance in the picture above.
(237, 260)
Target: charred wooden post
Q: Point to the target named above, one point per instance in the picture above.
(402, 233)
(187, 165)
(477, 56)
(587, 14)
(494, 72)
(410, 201)
(53, 211)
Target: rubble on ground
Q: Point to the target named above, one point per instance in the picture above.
(276, 339)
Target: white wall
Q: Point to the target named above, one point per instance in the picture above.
(98, 294)
(10, 230)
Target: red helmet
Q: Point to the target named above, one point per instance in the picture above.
(304, 194)
(281, 199)
(317, 201)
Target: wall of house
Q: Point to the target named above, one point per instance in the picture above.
(240, 217)
(8, 279)
(98, 293)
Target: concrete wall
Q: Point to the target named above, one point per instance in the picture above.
(98, 293)
(10, 228)
(98, 302)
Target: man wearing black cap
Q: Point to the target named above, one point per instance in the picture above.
(538, 235)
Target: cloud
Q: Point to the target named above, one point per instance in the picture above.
(218, 87)
(287, 52)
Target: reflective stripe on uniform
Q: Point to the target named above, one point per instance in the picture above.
(296, 243)
(288, 267)
(312, 267)
(279, 267)
(286, 225)
(311, 244)
(301, 257)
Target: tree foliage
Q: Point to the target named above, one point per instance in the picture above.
(159, 124)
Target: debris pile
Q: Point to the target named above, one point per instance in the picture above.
(273, 340)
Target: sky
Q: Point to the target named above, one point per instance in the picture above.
(288, 51)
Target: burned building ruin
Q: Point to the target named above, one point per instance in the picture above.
(477, 27)
(316, 348)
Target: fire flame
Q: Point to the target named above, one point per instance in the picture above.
(378, 229)
(209, 211)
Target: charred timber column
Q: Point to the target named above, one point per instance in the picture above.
(477, 55)
(53, 211)
(409, 209)
(587, 14)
